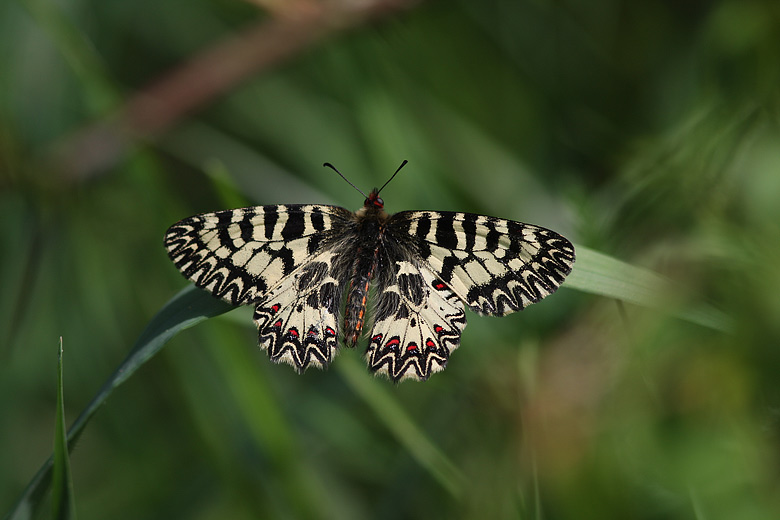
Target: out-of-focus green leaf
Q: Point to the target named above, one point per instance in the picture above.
(78, 52)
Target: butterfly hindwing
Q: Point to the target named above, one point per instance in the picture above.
(417, 325)
(297, 321)
(495, 266)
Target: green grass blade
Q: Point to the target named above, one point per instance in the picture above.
(63, 498)
(403, 428)
(597, 273)
(187, 308)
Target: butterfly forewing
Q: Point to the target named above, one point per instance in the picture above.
(239, 255)
(495, 266)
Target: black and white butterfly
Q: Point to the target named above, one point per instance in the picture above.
(308, 270)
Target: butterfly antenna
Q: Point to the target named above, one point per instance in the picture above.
(391, 178)
(328, 165)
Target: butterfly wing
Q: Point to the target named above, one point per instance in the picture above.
(279, 258)
(495, 266)
(442, 260)
(297, 320)
(417, 324)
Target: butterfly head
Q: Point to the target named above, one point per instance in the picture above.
(373, 206)
(374, 200)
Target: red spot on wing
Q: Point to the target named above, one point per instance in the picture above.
(312, 332)
(278, 324)
(393, 343)
(429, 343)
(438, 328)
(377, 338)
(439, 285)
(293, 333)
(275, 308)
(411, 346)
(329, 332)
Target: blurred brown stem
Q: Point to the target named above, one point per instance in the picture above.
(162, 104)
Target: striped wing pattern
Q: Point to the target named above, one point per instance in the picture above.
(495, 266)
(239, 255)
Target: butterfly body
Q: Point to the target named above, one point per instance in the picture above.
(309, 270)
(370, 228)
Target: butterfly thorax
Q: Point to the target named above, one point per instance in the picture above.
(371, 220)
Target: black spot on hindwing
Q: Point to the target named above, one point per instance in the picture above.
(329, 296)
(311, 275)
(412, 288)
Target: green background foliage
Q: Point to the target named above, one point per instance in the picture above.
(645, 130)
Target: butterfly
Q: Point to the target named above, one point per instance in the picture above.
(310, 271)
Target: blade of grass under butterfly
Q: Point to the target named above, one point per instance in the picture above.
(397, 421)
(63, 498)
(184, 310)
(597, 273)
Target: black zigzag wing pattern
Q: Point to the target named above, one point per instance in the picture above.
(279, 258)
(297, 320)
(495, 266)
(417, 325)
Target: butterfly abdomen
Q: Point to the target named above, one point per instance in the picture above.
(357, 297)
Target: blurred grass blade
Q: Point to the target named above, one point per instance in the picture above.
(63, 499)
(402, 426)
(597, 273)
(187, 308)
